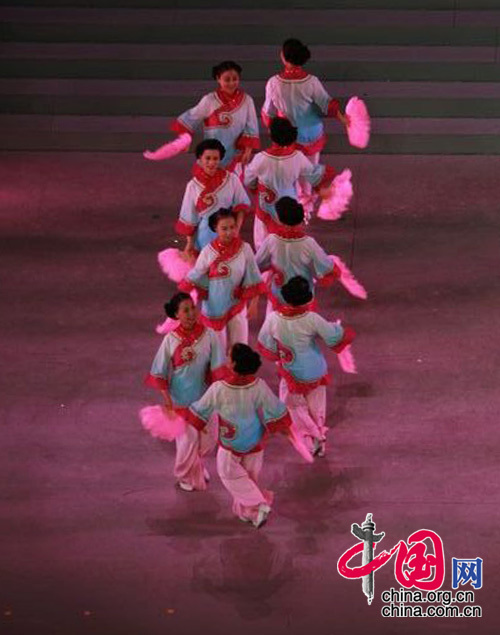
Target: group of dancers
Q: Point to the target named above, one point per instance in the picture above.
(204, 369)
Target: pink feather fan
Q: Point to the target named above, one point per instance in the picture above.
(348, 280)
(333, 207)
(168, 325)
(173, 264)
(161, 423)
(169, 150)
(359, 126)
(347, 361)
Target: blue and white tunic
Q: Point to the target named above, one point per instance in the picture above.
(226, 276)
(290, 252)
(303, 100)
(247, 409)
(275, 172)
(289, 337)
(231, 119)
(185, 364)
(205, 195)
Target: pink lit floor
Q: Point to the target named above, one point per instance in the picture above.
(94, 535)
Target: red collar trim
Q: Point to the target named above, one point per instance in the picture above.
(281, 151)
(234, 100)
(210, 182)
(297, 72)
(189, 337)
(294, 311)
(285, 231)
(226, 251)
(234, 379)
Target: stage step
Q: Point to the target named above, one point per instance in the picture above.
(154, 97)
(447, 5)
(110, 75)
(134, 134)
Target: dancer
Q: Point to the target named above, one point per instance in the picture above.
(211, 188)
(288, 337)
(248, 411)
(302, 99)
(226, 276)
(227, 114)
(186, 357)
(276, 171)
(290, 252)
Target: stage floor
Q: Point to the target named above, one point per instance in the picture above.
(94, 535)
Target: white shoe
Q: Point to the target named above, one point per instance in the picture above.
(206, 475)
(186, 487)
(322, 448)
(262, 516)
(316, 449)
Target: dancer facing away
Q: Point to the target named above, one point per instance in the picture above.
(290, 252)
(187, 355)
(288, 337)
(248, 411)
(211, 188)
(227, 277)
(227, 114)
(275, 172)
(301, 98)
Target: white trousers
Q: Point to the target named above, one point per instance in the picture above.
(308, 412)
(190, 448)
(235, 331)
(239, 476)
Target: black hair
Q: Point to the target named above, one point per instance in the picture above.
(221, 213)
(282, 132)
(172, 306)
(296, 291)
(290, 211)
(246, 360)
(295, 52)
(210, 144)
(227, 65)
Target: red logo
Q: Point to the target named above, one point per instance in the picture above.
(414, 566)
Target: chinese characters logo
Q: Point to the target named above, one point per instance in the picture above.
(415, 565)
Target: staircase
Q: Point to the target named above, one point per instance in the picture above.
(110, 75)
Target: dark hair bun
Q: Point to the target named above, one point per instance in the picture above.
(172, 306)
(282, 132)
(246, 360)
(297, 291)
(290, 211)
(295, 52)
(227, 65)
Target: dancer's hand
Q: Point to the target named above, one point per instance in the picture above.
(253, 308)
(189, 252)
(169, 409)
(246, 156)
(344, 119)
(326, 192)
(168, 406)
(188, 255)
